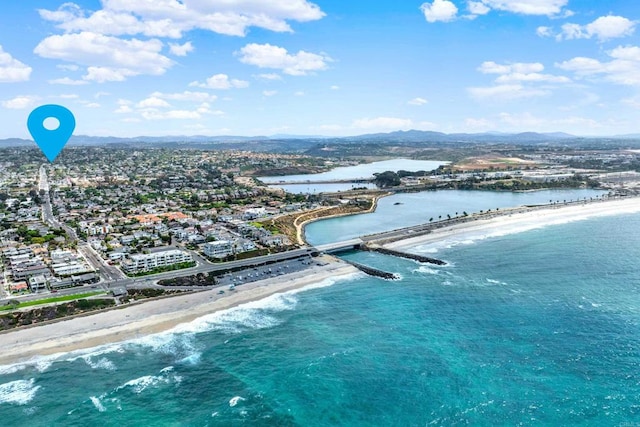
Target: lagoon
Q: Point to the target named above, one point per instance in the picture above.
(406, 209)
(363, 171)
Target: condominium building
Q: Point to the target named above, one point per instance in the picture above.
(218, 249)
(138, 263)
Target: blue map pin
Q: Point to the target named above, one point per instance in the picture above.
(51, 142)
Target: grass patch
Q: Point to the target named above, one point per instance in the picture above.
(51, 300)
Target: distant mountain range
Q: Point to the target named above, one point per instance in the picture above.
(410, 136)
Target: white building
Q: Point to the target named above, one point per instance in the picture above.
(138, 263)
(218, 249)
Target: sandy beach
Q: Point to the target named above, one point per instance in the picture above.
(519, 219)
(151, 317)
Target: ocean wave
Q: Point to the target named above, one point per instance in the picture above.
(426, 270)
(19, 392)
(102, 363)
(40, 364)
(235, 400)
(138, 385)
(98, 404)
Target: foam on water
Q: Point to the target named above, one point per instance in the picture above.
(140, 384)
(234, 401)
(426, 270)
(97, 403)
(18, 392)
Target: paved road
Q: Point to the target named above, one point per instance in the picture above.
(107, 272)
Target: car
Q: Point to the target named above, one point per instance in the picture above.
(53, 291)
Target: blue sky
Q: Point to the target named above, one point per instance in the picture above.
(325, 67)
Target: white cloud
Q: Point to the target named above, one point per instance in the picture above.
(544, 31)
(335, 87)
(490, 67)
(198, 113)
(439, 10)
(92, 105)
(171, 18)
(511, 78)
(20, 102)
(604, 28)
(69, 96)
(124, 107)
(269, 76)
(108, 58)
(106, 74)
(624, 68)
(417, 101)
(383, 123)
(153, 102)
(68, 81)
(12, 70)
(186, 96)
(528, 7)
(180, 49)
(478, 8)
(299, 93)
(269, 92)
(67, 67)
(221, 81)
(270, 56)
(506, 92)
(532, 77)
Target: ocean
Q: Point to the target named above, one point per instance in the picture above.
(540, 327)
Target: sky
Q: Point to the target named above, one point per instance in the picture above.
(325, 67)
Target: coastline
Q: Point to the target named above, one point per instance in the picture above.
(520, 219)
(151, 317)
(138, 320)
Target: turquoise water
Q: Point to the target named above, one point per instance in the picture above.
(535, 328)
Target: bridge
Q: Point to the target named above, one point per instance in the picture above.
(345, 245)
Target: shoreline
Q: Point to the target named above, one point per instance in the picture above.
(300, 228)
(152, 317)
(519, 219)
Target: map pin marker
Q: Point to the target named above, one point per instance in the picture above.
(51, 142)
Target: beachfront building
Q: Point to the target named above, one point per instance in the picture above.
(219, 249)
(139, 263)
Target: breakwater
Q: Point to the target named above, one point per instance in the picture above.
(392, 252)
(371, 271)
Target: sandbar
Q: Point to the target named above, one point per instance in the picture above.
(517, 220)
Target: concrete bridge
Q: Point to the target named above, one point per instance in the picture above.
(345, 245)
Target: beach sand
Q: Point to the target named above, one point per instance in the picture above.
(519, 219)
(144, 318)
